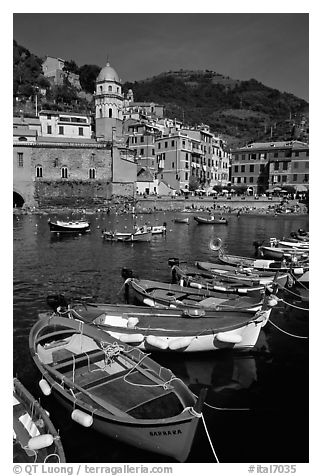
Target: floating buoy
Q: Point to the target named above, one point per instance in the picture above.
(131, 338)
(45, 387)
(158, 342)
(40, 441)
(82, 418)
(229, 337)
(215, 244)
(272, 301)
(180, 343)
(219, 288)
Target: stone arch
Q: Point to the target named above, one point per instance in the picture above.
(18, 200)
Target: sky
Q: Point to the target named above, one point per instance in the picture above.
(270, 47)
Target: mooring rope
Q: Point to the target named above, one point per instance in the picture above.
(287, 333)
(293, 305)
(289, 291)
(209, 439)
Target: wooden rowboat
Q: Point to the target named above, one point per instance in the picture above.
(114, 388)
(35, 438)
(137, 236)
(164, 295)
(170, 330)
(68, 227)
(211, 221)
(182, 220)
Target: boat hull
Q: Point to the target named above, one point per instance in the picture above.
(209, 221)
(72, 227)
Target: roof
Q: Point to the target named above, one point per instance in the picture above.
(23, 131)
(63, 113)
(24, 121)
(145, 175)
(276, 145)
(66, 139)
(108, 74)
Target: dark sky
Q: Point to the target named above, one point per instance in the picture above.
(270, 47)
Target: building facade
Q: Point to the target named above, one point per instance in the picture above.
(263, 166)
(53, 69)
(69, 125)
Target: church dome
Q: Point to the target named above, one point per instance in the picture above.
(108, 74)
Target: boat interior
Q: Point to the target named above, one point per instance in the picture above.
(108, 378)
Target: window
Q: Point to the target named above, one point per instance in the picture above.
(172, 143)
(101, 113)
(48, 129)
(287, 153)
(39, 171)
(187, 165)
(253, 156)
(236, 167)
(101, 89)
(285, 165)
(56, 162)
(294, 177)
(245, 179)
(20, 159)
(153, 151)
(243, 156)
(48, 116)
(142, 139)
(166, 145)
(183, 143)
(159, 145)
(242, 168)
(186, 176)
(238, 179)
(92, 173)
(275, 154)
(173, 165)
(251, 168)
(110, 112)
(141, 151)
(110, 88)
(262, 168)
(297, 153)
(276, 165)
(251, 179)
(284, 178)
(306, 178)
(61, 130)
(80, 131)
(64, 172)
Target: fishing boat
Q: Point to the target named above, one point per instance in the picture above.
(35, 439)
(188, 275)
(181, 220)
(138, 235)
(169, 330)
(211, 221)
(114, 388)
(164, 295)
(157, 229)
(247, 275)
(60, 226)
(263, 264)
(280, 253)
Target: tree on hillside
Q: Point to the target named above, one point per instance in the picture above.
(87, 77)
(71, 67)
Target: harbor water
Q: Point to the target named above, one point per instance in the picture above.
(257, 402)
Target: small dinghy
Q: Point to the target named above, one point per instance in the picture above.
(168, 330)
(211, 221)
(137, 236)
(35, 439)
(59, 226)
(182, 220)
(114, 388)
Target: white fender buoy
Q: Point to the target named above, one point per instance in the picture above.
(40, 441)
(132, 322)
(158, 342)
(298, 271)
(272, 302)
(219, 288)
(229, 337)
(196, 285)
(45, 387)
(82, 418)
(131, 338)
(148, 302)
(180, 343)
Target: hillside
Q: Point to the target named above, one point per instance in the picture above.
(242, 111)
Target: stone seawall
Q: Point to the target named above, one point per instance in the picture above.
(72, 193)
